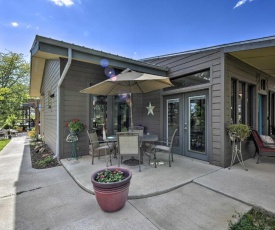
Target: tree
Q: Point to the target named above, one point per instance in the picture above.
(14, 85)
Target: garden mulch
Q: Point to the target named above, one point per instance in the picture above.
(42, 156)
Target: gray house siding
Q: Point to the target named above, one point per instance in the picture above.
(50, 80)
(151, 122)
(188, 63)
(236, 69)
(75, 104)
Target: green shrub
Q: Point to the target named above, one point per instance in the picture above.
(45, 161)
(253, 220)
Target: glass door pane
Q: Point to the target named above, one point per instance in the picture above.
(173, 120)
(197, 121)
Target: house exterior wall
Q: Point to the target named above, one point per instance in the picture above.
(151, 122)
(50, 80)
(75, 104)
(188, 63)
(236, 69)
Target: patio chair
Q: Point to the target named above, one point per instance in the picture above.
(263, 148)
(164, 146)
(137, 129)
(96, 146)
(128, 145)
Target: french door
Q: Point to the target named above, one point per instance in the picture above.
(189, 113)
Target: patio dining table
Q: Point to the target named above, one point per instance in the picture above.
(149, 139)
(144, 138)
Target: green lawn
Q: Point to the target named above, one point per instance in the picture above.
(3, 143)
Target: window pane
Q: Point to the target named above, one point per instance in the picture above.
(99, 113)
(199, 78)
(197, 115)
(250, 105)
(241, 103)
(121, 113)
(233, 101)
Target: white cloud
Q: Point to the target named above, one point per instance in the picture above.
(14, 24)
(63, 2)
(241, 2)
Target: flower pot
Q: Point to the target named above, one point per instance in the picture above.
(112, 196)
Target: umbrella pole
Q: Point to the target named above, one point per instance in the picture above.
(131, 112)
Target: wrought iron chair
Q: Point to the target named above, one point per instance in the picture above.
(128, 145)
(262, 148)
(165, 146)
(96, 146)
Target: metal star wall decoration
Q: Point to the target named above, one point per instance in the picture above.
(150, 109)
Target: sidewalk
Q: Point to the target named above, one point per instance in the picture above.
(207, 196)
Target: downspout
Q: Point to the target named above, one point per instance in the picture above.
(58, 101)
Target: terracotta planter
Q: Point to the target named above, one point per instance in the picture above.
(112, 197)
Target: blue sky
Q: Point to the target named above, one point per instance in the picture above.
(134, 28)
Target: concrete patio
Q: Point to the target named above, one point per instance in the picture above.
(255, 187)
(190, 195)
(150, 181)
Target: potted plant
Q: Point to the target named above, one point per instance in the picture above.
(111, 187)
(75, 126)
(238, 133)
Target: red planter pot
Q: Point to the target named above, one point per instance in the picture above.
(112, 197)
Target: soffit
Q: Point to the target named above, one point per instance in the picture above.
(260, 58)
(37, 69)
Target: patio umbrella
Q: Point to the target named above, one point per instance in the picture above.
(129, 82)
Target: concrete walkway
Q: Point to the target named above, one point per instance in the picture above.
(190, 195)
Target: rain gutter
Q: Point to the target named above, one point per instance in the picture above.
(58, 102)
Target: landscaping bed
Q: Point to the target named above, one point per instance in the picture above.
(254, 220)
(42, 155)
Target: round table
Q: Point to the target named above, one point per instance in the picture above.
(145, 138)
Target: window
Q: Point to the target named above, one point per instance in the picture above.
(197, 78)
(250, 104)
(121, 113)
(242, 102)
(99, 114)
(233, 101)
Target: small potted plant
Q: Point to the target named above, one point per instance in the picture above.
(111, 187)
(238, 133)
(75, 126)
